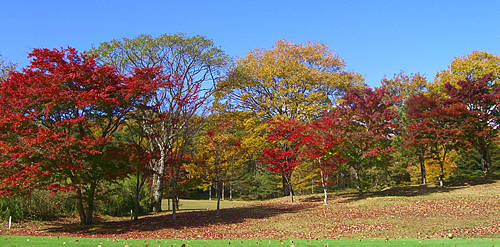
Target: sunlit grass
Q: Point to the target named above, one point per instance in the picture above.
(187, 204)
(22, 241)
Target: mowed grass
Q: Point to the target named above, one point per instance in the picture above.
(188, 205)
(26, 241)
(411, 212)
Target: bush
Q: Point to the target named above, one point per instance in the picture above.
(37, 206)
(118, 198)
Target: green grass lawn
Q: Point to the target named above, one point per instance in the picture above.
(25, 241)
(187, 204)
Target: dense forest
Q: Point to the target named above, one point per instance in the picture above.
(134, 121)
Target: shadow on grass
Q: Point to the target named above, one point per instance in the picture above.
(457, 181)
(184, 220)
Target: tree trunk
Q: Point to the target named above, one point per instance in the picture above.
(230, 192)
(79, 206)
(323, 183)
(89, 215)
(423, 175)
(218, 192)
(174, 209)
(222, 193)
(357, 179)
(285, 185)
(157, 189)
(136, 199)
(174, 194)
(289, 186)
(158, 180)
(441, 175)
(485, 161)
(210, 192)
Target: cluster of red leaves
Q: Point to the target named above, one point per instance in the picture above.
(367, 119)
(59, 112)
(431, 121)
(321, 142)
(285, 136)
(468, 116)
(360, 128)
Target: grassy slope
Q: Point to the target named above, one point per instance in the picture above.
(405, 212)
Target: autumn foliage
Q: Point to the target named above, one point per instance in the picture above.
(285, 137)
(288, 115)
(57, 122)
(368, 123)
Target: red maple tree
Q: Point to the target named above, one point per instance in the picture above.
(57, 119)
(368, 122)
(285, 136)
(321, 142)
(433, 127)
(478, 121)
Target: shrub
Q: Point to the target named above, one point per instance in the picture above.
(39, 205)
(118, 198)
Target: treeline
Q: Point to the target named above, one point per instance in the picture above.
(138, 120)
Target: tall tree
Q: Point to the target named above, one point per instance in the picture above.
(479, 120)
(320, 146)
(195, 62)
(403, 86)
(298, 81)
(368, 122)
(433, 127)
(218, 154)
(139, 157)
(289, 80)
(284, 155)
(57, 121)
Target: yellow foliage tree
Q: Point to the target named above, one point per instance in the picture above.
(433, 170)
(473, 66)
(218, 153)
(290, 80)
(405, 85)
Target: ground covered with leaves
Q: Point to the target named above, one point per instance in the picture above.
(403, 212)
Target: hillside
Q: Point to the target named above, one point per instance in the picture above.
(402, 212)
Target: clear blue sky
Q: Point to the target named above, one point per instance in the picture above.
(375, 38)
